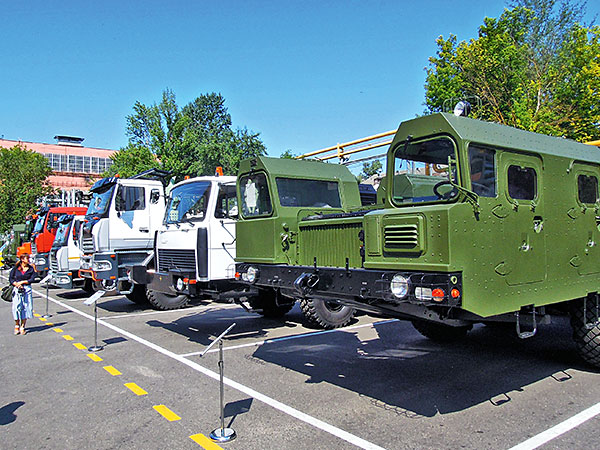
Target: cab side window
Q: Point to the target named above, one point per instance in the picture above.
(130, 198)
(482, 165)
(226, 202)
(522, 183)
(587, 188)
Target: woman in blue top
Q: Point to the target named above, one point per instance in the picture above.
(21, 276)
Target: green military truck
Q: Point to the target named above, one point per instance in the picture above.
(477, 223)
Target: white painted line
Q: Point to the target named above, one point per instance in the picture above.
(324, 426)
(557, 430)
(148, 313)
(296, 336)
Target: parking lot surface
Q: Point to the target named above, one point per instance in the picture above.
(374, 384)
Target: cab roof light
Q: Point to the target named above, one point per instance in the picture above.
(219, 171)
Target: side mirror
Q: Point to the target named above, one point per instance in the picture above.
(154, 196)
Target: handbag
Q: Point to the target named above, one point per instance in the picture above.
(7, 293)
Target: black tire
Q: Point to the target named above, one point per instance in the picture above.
(165, 302)
(586, 340)
(326, 315)
(138, 295)
(269, 305)
(88, 286)
(439, 332)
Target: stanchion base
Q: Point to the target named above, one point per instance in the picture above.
(223, 435)
(46, 316)
(95, 348)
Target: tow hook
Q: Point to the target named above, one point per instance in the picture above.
(306, 281)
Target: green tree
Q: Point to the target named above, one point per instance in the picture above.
(287, 154)
(23, 179)
(535, 67)
(371, 168)
(192, 140)
(131, 160)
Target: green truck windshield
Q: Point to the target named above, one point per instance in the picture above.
(254, 191)
(308, 193)
(421, 171)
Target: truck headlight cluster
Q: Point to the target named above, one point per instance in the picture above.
(40, 261)
(399, 286)
(100, 266)
(250, 275)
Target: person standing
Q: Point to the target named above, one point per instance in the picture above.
(21, 276)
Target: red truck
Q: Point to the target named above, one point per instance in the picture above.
(44, 233)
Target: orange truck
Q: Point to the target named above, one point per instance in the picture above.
(44, 233)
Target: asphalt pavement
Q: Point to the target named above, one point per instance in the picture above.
(375, 384)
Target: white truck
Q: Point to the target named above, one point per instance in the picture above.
(65, 255)
(194, 248)
(119, 229)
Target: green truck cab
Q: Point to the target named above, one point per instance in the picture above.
(477, 222)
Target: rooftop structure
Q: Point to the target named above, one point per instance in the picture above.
(74, 166)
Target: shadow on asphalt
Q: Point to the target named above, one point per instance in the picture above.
(203, 326)
(43, 327)
(7, 412)
(401, 371)
(234, 409)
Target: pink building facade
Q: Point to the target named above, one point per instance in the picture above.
(73, 166)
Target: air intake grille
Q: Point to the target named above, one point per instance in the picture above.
(184, 260)
(401, 236)
(87, 244)
(53, 261)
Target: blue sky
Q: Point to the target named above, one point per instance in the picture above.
(304, 74)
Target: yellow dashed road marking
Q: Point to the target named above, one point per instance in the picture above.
(58, 330)
(112, 370)
(166, 413)
(204, 442)
(94, 357)
(135, 389)
(79, 345)
(37, 315)
(67, 337)
(50, 324)
(43, 320)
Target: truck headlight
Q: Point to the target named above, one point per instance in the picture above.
(40, 261)
(100, 266)
(399, 286)
(251, 274)
(180, 284)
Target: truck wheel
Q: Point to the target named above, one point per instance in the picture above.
(326, 315)
(164, 302)
(438, 332)
(265, 303)
(138, 295)
(586, 340)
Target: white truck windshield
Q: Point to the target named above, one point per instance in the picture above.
(188, 202)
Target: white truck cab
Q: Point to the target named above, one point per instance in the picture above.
(119, 228)
(194, 248)
(65, 254)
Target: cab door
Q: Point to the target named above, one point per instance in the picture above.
(583, 213)
(222, 233)
(523, 240)
(130, 221)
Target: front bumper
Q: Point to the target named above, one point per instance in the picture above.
(164, 282)
(368, 287)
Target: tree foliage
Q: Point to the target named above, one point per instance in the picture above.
(536, 67)
(23, 179)
(131, 160)
(192, 140)
(371, 168)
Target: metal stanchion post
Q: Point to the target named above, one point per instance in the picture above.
(47, 280)
(221, 434)
(94, 299)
